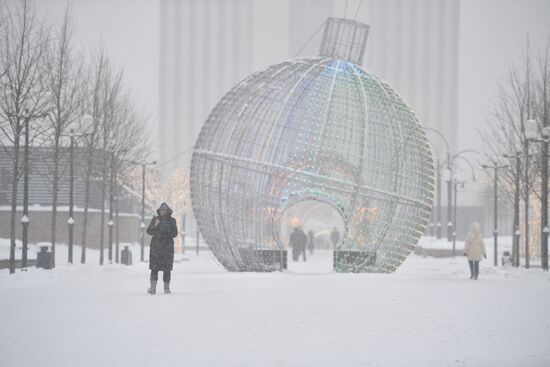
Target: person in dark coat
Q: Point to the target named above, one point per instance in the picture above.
(294, 243)
(298, 241)
(164, 229)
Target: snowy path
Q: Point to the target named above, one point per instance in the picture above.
(426, 314)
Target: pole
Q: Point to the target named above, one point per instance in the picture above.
(544, 206)
(527, 204)
(25, 219)
(115, 198)
(142, 250)
(70, 221)
(438, 219)
(183, 234)
(495, 214)
(516, 212)
(117, 237)
(111, 197)
(197, 241)
(449, 199)
(454, 215)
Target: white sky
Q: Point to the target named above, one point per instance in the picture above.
(492, 33)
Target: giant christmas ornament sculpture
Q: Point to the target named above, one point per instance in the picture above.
(313, 129)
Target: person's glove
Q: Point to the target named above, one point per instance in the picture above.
(465, 254)
(485, 256)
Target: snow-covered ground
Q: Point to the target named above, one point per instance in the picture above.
(428, 313)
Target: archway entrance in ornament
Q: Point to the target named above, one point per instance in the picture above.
(317, 219)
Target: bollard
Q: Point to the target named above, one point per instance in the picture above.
(126, 256)
(44, 258)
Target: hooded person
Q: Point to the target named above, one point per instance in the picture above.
(163, 229)
(474, 249)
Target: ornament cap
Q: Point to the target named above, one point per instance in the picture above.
(344, 39)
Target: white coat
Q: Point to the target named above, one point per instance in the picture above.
(474, 247)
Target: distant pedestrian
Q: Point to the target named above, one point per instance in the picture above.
(164, 229)
(474, 249)
(298, 243)
(310, 241)
(334, 237)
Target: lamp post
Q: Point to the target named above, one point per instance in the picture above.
(531, 135)
(449, 191)
(25, 220)
(448, 177)
(142, 247)
(495, 167)
(117, 243)
(544, 197)
(197, 242)
(183, 234)
(515, 245)
(456, 183)
(70, 220)
(453, 211)
(111, 202)
(544, 251)
(438, 212)
(530, 132)
(142, 225)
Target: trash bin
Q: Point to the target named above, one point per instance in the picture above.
(126, 256)
(44, 258)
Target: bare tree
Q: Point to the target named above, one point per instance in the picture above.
(111, 93)
(115, 135)
(523, 95)
(66, 83)
(23, 96)
(93, 128)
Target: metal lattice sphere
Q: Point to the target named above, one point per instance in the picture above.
(313, 129)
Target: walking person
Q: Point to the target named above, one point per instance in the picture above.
(294, 243)
(474, 249)
(164, 229)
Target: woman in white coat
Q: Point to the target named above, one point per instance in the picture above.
(474, 249)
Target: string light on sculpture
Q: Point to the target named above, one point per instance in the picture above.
(320, 129)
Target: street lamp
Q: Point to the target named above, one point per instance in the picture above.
(25, 220)
(448, 163)
(448, 177)
(142, 249)
(544, 251)
(70, 221)
(117, 243)
(517, 234)
(456, 182)
(111, 206)
(142, 225)
(531, 135)
(496, 167)
(515, 246)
